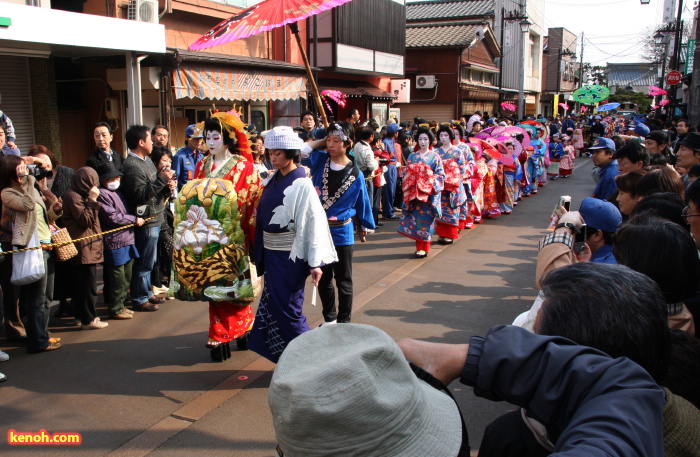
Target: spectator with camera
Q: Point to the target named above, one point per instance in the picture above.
(143, 186)
(26, 217)
(162, 158)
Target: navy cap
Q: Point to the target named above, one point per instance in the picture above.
(193, 132)
(641, 130)
(600, 214)
(392, 128)
(601, 143)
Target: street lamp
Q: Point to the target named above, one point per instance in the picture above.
(658, 38)
(525, 29)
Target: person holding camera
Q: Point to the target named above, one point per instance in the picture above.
(143, 185)
(27, 216)
(162, 158)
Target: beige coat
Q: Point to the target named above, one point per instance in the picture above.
(19, 203)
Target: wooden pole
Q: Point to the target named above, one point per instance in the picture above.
(295, 30)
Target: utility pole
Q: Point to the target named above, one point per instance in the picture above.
(512, 16)
(694, 104)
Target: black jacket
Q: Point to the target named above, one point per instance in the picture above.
(99, 157)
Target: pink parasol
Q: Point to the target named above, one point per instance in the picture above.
(482, 135)
(265, 16)
(526, 140)
(506, 156)
(498, 130)
(564, 106)
(514, 130)
(654, 91)
(502, 138)
(508, 106)
(488, 130)
(664, 102)
(584, 109)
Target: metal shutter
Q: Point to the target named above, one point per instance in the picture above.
(17, 99)
(439, 112)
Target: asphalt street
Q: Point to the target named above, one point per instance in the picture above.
(148, 387)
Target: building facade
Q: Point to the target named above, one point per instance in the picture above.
(559, 71)
(450, 53)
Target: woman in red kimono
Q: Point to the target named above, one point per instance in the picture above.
(230, 158)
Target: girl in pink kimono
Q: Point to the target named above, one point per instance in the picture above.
(566, 166)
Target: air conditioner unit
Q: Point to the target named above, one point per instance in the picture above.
(143, 11)
(425, 81)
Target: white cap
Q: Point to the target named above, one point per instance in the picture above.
(283, 137)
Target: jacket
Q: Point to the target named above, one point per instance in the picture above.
(99, 157)
(81, 217)
(142, 186)
(18, 203)
(113, 215)
(593, 404)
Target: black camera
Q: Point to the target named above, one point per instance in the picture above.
(38, 172)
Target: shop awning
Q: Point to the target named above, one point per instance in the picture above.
(222, 83)
(357, 89)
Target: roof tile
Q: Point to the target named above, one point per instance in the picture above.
(448, 9)
(436, 35)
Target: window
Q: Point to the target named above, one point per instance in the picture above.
(466, 75)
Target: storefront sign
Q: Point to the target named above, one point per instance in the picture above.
(219, 83)
(689, 57)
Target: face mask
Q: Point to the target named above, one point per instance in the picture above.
(113, 185)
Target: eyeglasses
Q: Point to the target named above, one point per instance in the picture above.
(685, 213)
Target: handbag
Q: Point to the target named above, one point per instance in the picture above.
(65, 251)
(28, 266)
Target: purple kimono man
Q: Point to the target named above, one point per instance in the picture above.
(292, 239)
(418, 217)
(452, 200)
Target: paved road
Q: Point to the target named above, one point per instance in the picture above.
(147, 387)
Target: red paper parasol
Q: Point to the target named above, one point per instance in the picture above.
(506, 156)
(487, 147)
(265, 16)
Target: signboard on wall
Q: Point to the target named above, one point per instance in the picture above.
(669, 13)
(401, 88)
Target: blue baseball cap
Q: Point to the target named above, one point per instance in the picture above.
(392, 128)
(193, 132)
(600, 214)
(601, 143)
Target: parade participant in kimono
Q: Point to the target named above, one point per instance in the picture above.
(422, 188)
(215, 230)
(292, 242)
(534, 162)
(544, 157)
(525, 180)
(477, 184)
(506, 206)
(556, 152)
(391, 175)
(491, 207)
(577, 140)
(465, 220)
(567, 161)
(453, 195)
(343, 194)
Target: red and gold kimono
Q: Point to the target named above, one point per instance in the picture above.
(229, 320)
